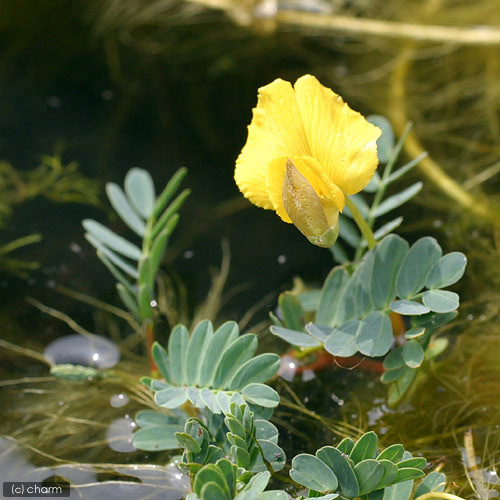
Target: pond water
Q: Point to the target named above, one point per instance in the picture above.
(110, 103)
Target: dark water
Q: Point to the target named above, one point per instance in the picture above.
(57, 90)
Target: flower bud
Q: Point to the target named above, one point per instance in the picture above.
(315, 218)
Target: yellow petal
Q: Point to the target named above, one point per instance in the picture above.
(275, 131)
(340, 139)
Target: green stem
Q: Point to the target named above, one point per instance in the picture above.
(379, 195)
(361, 222)
(305, 351)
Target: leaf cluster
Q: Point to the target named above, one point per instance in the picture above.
(230, 447)
(230, 450)
(356, 469)
(352, 311)
(218, 482)
(250, 443)
(152, 219)
(210, 370)
(349, 471)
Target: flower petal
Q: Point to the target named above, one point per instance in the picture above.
(342, 141)
(275, 131)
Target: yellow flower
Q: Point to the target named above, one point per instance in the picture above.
(306, 151)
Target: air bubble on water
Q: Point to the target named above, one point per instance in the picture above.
(119, 400)
(288, 367)
(337, 400)
(119, 435)
(88, 350)
(75, 248)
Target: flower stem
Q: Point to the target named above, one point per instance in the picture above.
(361, 222)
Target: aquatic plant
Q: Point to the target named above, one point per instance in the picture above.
(208, 370)
(352, 312)
(213, 398)
(236, 469)
(15, 266)
(153, 219)
(52, 179)
(468, 87)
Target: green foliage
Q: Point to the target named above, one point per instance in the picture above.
(353, 310)
(213, 369)
(250, 443)
(152, 219)
(157, 430)
(217, 482)
(359, 473)
(213, 396)
(349, 471)
(230, 453)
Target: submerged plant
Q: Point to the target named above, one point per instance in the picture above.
(15, 266)
(52, 179)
